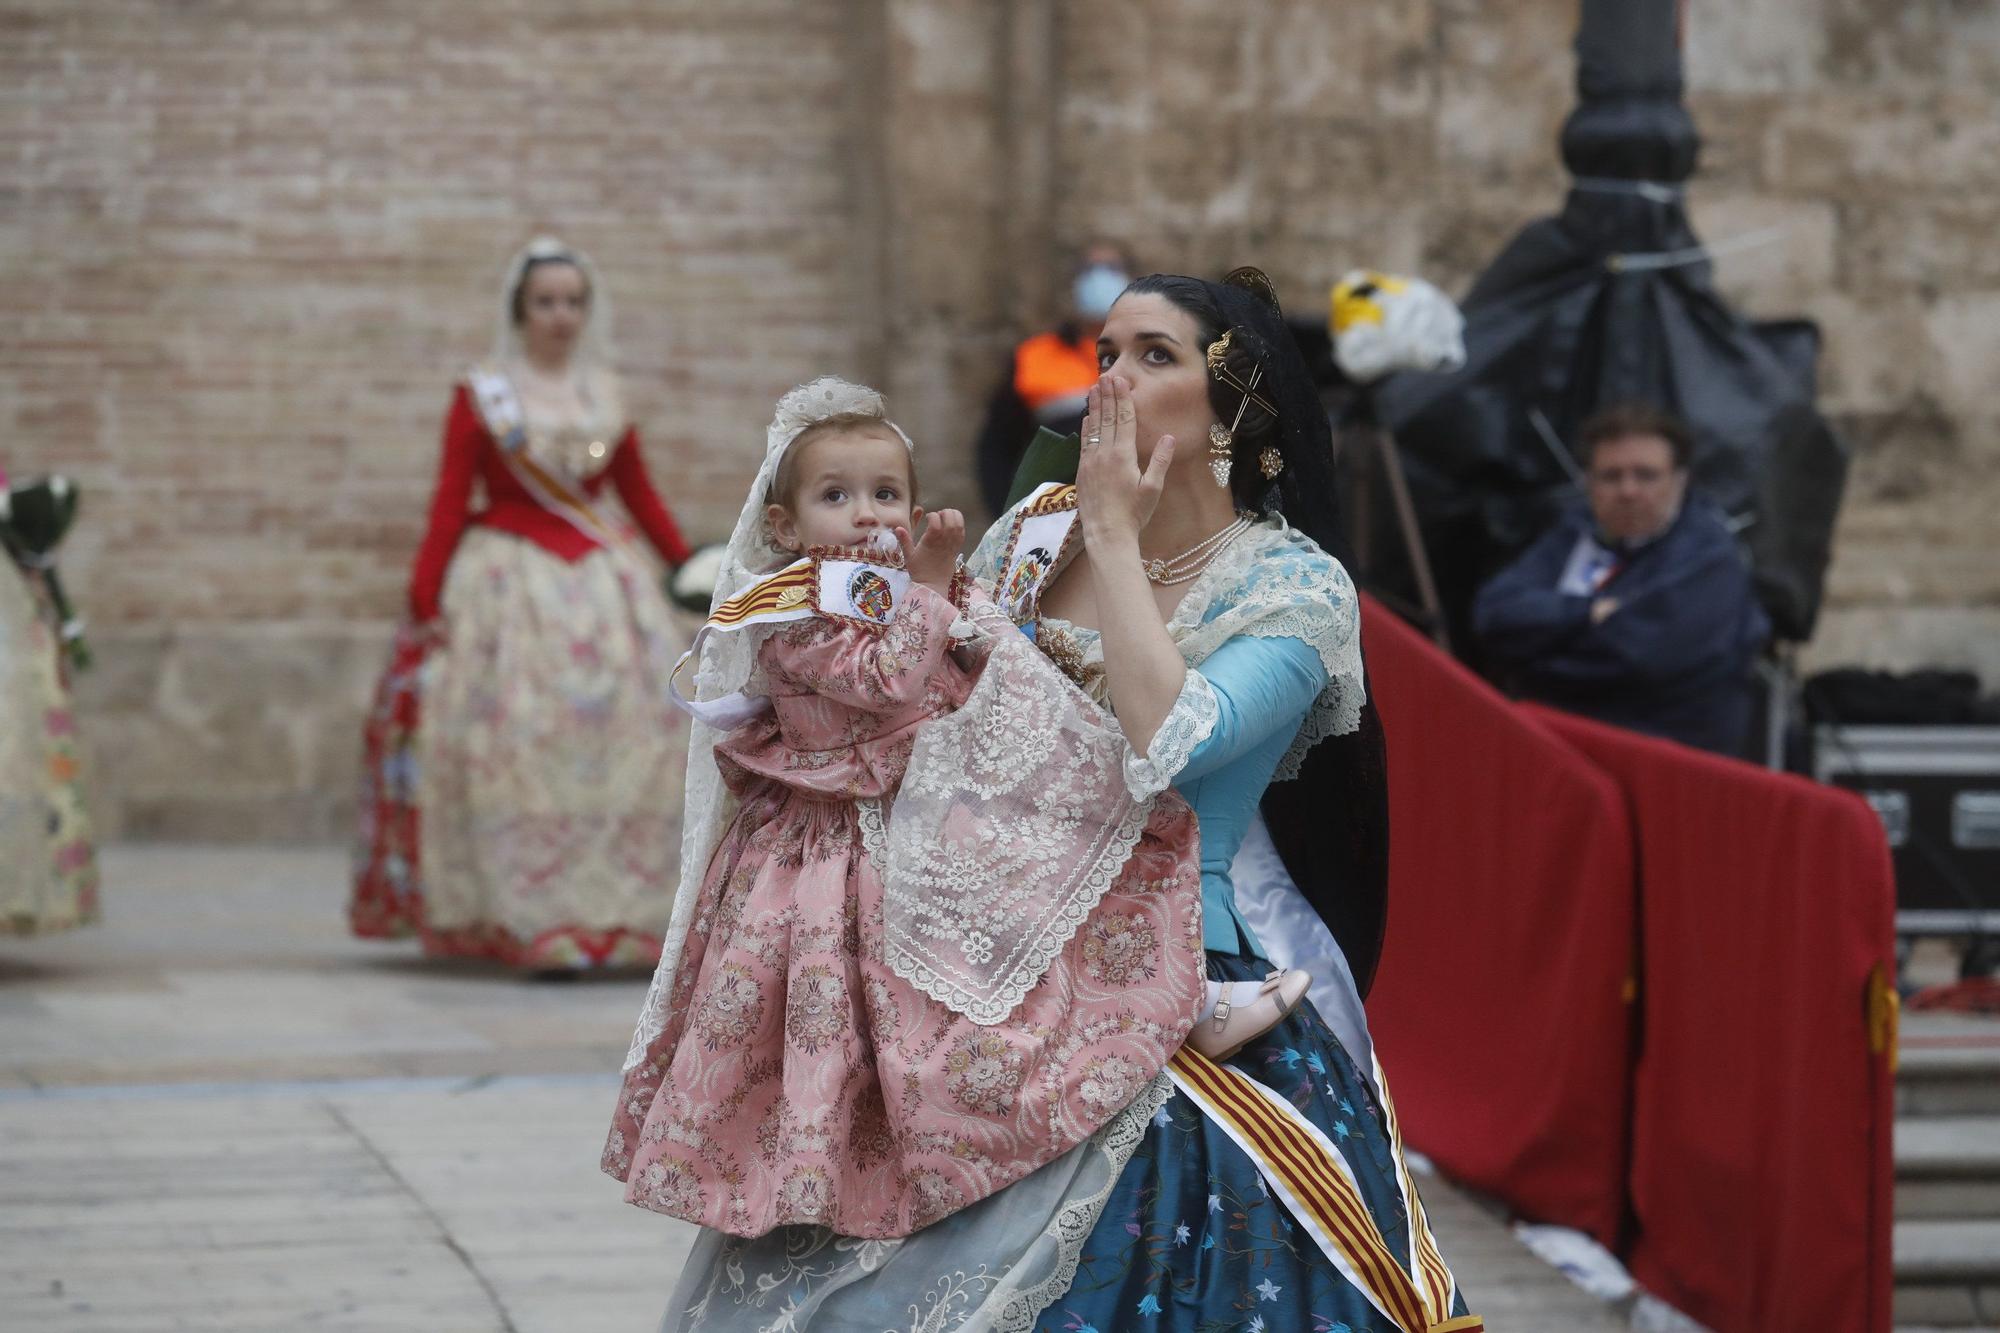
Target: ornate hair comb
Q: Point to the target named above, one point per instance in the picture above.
(1218, 366)
(1252, 279)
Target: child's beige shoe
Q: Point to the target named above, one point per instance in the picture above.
(1232, 1027)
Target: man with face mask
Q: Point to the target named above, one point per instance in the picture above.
(1636, 609)
(1049, 374)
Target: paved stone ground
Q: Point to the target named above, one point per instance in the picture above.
(220, 1112)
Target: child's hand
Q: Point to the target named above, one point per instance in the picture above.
(933, 559)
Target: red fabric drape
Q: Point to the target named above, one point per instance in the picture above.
(1500, 1010)
(1761, 1163)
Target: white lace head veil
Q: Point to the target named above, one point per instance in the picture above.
(593, 347)
(727, 661)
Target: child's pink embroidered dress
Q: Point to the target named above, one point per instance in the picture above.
(798, 1078)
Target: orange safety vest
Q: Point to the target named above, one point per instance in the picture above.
(1052, 376)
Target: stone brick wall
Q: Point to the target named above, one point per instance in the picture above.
(1872, 129)
(247, 244)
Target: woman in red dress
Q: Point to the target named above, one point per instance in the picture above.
(524, 766)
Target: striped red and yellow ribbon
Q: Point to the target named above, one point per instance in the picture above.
(1055, 501)
(787, 590)
(1437, 1278)
(569, 503)
(1305, 1169)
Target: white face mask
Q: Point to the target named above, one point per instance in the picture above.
(1097, 289)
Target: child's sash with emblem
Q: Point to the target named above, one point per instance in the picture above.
(1044, 534)
(860, 587)
(499, 408)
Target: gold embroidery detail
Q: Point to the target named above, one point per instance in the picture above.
(1062, 649)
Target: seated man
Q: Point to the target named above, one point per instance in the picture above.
(1636, 610)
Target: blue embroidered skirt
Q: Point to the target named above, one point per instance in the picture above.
(1190, 1239)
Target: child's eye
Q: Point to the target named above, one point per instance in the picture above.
(886, 493)
(834, 496)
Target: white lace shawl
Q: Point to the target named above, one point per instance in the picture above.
(1272, 583)
(1012, 820)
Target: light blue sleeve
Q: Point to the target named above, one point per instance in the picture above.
(1241, 697)
(1261, 687)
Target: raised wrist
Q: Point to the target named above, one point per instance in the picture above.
(1111, 541)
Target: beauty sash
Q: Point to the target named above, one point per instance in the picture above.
(1043, 539)
(860, 587)
(499, 407)
(1304, 1169)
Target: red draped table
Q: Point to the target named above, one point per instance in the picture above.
(1729, 1134)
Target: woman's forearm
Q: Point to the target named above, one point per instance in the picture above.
(1141, 664)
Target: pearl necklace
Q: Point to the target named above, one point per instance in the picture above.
(1167, 571)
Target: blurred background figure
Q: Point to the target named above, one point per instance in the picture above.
(1049, 374)
(48, 864)
(1637, 607)
(523, 767)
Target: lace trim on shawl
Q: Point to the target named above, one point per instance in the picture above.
(1012, 822)
(1188, 723)
(1076, 1219)
(1274, 583)
(979, 1298)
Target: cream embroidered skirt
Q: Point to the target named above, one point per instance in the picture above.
(551, 758)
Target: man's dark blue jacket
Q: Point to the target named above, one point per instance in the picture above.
(1673, 660)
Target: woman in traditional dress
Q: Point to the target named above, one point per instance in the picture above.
(48, 864)
(1184, 581)
(527, 719)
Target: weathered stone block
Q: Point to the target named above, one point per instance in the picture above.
(1923, 139)
(1867, 364)
(1754, 46)
(1779, 276)
(1965, 339)
(1928, 243)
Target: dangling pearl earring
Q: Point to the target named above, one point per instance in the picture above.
(1220, 441)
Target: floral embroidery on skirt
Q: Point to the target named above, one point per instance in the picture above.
(804, 1082)
(544, 760)
(51, 879)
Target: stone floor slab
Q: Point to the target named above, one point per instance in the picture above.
(221, 1113)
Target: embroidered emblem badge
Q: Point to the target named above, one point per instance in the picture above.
(1026, 578)
(871, 596)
